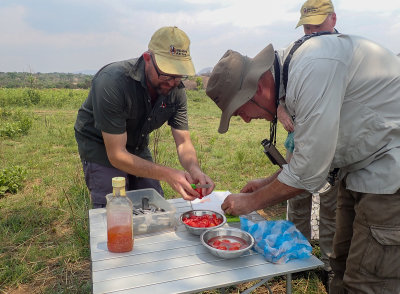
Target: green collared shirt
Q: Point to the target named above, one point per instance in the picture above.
(119, 102)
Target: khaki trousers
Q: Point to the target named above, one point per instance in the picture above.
(366, 246)
(299, 212)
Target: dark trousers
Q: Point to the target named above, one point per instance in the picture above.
(98, 180)
(366, 246)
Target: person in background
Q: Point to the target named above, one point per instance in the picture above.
(344, 94)
(315, 16)
(127, 101)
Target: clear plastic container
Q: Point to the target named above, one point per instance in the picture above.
(155, 222)
(119, 218)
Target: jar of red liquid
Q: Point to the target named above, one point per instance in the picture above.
(119, 218)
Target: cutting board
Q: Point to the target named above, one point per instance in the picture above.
(211, 202)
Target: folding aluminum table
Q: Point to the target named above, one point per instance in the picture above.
(175, 261)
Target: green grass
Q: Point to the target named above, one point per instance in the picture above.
(44, 226)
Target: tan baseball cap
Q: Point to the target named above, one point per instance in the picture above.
(314, 12)
(170, 47)
(234, 79)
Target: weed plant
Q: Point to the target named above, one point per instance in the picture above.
(44, 226)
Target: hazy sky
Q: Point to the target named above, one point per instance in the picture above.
(78, 35)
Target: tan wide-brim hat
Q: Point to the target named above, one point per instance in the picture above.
(314, 12)
(170, 47)
(234, 79)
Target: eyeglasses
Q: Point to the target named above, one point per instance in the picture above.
(262, 107)
(165, 77)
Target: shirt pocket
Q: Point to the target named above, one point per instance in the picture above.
(382, 254)
(161, 115)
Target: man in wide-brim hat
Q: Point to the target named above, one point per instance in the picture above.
(344, 92)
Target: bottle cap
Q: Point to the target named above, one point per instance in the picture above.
(118, 182)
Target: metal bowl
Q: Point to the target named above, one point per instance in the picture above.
(199, 231)
(246, 240)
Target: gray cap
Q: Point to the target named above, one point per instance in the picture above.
(234, 79)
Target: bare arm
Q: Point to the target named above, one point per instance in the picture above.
(188, 159)
(271, 194)
(121, 159)
(256, 184)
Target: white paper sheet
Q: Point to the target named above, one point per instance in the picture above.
(211, 202)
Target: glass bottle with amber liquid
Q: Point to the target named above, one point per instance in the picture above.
(119, 218)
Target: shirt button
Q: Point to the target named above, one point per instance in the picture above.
(137, 148)
(142, 135)
(149, 118)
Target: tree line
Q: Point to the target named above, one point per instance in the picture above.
(45, 80)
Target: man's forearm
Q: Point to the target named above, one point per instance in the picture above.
(123, 160)
(187, 158)
(140, 167)
(274, 193)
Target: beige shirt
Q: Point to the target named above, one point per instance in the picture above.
(344, 92)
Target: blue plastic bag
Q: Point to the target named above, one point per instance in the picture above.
(289, 142)
(278, 241)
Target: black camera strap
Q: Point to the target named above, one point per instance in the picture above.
(269, 144)
(297, 44)
(274, 122)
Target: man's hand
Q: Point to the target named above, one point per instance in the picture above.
(238, 204)
(180, 181)
(285, 118)
(201, 178)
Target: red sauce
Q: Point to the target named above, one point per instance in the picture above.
(120, 239)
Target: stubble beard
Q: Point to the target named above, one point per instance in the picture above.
(158, 89)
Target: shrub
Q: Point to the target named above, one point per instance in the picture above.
(13, 124)
(199, 83)
(33, 96)
(11, 179)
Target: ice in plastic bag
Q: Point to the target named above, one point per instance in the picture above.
(278, 241)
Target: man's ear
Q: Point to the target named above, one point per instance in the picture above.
(333, 19)
(147, 56)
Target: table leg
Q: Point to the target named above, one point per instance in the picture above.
(289, 284)
(262, 282)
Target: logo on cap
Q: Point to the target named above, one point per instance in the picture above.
(179, 52)
(310, 10)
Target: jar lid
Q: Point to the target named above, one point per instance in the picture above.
(118, 182)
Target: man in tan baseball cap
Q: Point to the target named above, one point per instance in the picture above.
(170, 48)
(317, 16)
(127, 101)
